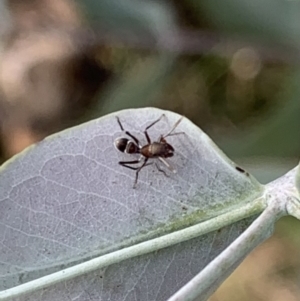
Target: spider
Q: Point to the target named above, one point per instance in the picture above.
(160, 149)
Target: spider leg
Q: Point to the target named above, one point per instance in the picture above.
(149, 126)
(138, 170)
(133, 137)
(167, 164)
(120, 124)
(177, 133)
(161, 170)
(173, 128)
(128, 133)
(126, 163)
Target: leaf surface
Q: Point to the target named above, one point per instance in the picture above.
(67, 200)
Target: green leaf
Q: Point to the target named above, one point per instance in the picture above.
(67, 200)
(270, 20)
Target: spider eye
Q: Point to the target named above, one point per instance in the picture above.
(169, 150)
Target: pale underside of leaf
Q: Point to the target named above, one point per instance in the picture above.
(67, 199)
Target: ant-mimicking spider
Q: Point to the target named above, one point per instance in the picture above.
(160, 149)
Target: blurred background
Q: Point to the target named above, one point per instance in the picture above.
(231, 66)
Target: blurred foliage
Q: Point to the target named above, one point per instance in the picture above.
(270, 21)
(240, 89)
(245, 116)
